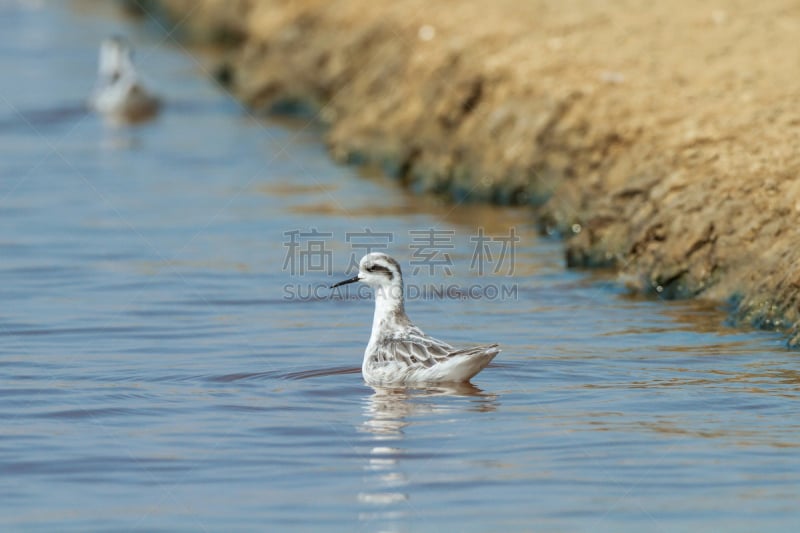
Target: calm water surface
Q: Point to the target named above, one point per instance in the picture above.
(162, 368)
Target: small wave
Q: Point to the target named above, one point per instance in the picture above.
(240, 376)
(318, 373)
(92, 413)
(67, 331)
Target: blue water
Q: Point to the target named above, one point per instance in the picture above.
(166, 366)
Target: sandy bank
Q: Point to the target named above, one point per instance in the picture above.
(660, 138)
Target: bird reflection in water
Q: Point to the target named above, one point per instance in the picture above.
(388, 412)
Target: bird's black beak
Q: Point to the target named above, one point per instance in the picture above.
(345, 282)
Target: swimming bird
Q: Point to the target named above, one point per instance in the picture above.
(119, 93)
(398, 352)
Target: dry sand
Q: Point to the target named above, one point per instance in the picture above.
(661, 138)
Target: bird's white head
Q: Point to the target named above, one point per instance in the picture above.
(116, 60)
(380, 272)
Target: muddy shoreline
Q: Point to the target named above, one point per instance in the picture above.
(662, 140)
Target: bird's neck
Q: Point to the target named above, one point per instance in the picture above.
(389, 310)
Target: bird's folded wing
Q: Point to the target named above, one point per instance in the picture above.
(416, 349)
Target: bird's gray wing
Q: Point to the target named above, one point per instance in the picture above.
(414, 347)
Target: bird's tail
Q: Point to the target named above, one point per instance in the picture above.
(477, 357)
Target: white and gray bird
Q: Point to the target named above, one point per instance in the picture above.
(398, 352)
(119, 93)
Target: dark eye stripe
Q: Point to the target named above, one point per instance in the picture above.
(378, 268)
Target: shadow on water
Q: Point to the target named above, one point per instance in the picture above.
(275, 374)
(242, 376)
(323, 372)
(43, 118)
(69, 113)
